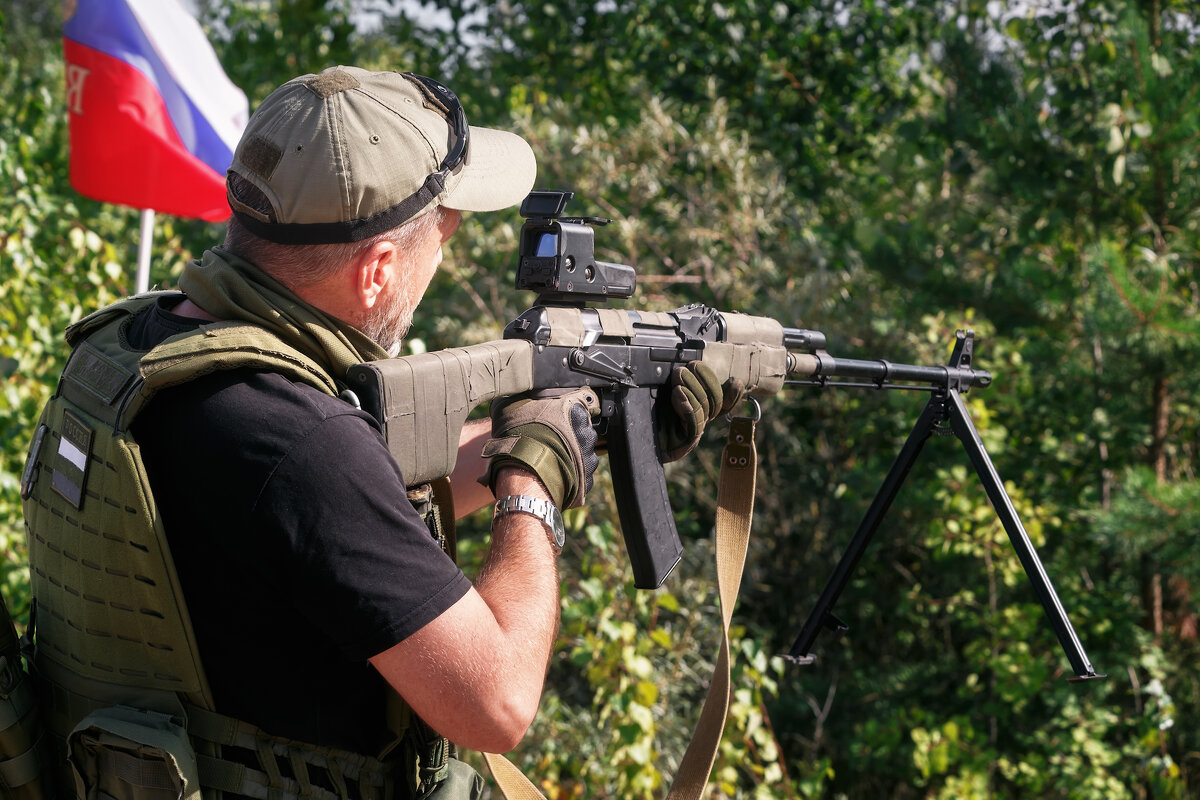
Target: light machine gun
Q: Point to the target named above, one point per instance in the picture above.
(422, 401)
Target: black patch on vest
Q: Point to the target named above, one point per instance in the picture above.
(72, 459)
(97, 373)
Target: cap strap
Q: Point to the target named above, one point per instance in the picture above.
(354, 230)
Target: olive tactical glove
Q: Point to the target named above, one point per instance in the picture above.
(693, 398)
(551, 436)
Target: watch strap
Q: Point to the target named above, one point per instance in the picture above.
(544, 510)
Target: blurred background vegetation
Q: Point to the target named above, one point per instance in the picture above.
(886, 173)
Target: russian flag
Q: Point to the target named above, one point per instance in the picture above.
(153, 118)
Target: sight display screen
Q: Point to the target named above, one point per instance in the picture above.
(547, 245)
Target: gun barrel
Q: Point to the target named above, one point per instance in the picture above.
(820, 367)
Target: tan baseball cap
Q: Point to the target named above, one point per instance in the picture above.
(349, 153)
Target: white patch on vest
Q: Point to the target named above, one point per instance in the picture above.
(73, 454)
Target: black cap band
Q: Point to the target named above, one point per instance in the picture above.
(354, 230)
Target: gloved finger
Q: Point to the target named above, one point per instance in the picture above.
(503, 406)
(732, 393)
(549, 407)
(690, 398)
(714, 392)
(512, 402)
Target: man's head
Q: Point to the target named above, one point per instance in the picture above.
(351, 170)
(348, 154)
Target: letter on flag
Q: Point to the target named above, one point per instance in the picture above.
(153, 117)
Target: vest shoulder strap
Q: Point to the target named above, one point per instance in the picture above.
(113, 382)
(123, 309)
(228, 345)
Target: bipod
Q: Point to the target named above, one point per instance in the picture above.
(945, 407)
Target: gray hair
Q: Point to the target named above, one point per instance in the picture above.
(302, 265)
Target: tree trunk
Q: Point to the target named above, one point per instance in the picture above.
(1158, 429)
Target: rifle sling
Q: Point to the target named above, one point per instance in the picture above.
(735, 508)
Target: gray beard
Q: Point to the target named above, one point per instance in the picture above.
(388, 324)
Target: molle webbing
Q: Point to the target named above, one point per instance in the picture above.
(108, 598)
(283, 769)
(286, 768)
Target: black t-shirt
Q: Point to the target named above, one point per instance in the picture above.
(299, 554)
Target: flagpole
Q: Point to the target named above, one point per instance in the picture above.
(144, 241)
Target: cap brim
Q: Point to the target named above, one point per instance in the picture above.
(499, 172)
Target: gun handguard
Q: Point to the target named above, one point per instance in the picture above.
(422, 401)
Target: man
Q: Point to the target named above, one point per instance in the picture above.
(311, 584)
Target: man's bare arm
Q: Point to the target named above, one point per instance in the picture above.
(476, 672)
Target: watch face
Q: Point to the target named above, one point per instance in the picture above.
(557, 529)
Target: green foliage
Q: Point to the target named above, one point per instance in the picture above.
(53, 263)
(628, 661)
(1150, 518)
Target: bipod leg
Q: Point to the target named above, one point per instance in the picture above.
(964, 429)
(822, 614)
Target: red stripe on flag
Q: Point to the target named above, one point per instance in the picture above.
(124, 148)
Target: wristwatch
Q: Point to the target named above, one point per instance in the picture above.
(544, 510)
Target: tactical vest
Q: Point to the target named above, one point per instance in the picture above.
(122, 690)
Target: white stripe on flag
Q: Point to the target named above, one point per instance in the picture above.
(181, 44)
(73, 454)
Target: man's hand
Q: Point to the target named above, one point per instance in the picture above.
(551, 436)
(695, 398)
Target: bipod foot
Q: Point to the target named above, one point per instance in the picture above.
(805, 639)
(800, 661)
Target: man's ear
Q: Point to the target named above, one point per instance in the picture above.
(374, 270)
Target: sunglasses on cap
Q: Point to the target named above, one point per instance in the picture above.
(456, 149)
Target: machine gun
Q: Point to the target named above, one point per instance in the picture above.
(422, 401)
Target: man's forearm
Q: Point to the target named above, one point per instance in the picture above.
(519, 577)
(469, 494)
(476, 672)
